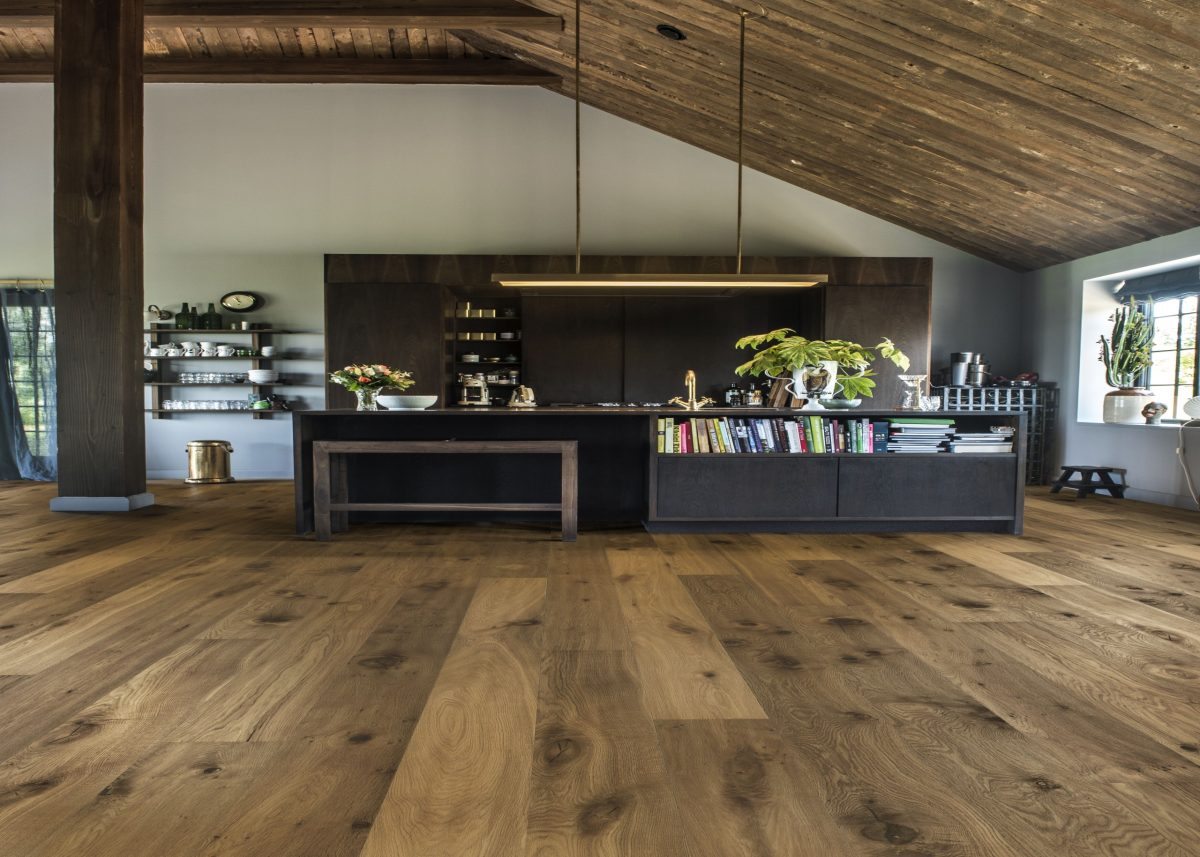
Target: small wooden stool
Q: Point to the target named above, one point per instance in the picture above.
(1091, 480)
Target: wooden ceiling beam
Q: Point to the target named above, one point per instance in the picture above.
(460, 14)
(495, 72)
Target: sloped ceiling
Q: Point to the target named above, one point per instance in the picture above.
(1029, 132)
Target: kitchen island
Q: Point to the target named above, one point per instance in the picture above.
(624, 480)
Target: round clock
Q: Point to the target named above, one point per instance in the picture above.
(241, 301)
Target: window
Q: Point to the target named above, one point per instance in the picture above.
(1173, 378)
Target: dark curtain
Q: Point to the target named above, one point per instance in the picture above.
(28, 406)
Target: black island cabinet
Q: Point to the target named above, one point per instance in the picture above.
(625, 480)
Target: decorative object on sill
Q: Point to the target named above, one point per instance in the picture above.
(1153, 413)
(819, 368)
(208, 462)
(691, 403)
(914, 388)
(650, 282)
(1126, 357)
(366, 380)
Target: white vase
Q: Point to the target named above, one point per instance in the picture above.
(800, 385)
(1124, 406)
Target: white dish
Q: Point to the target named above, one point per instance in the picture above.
(262, 376)
(407, 403)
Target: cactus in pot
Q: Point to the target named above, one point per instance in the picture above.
(1126, 356)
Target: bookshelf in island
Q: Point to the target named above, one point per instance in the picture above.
(733, 469)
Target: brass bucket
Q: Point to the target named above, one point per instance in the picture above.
(208, 461)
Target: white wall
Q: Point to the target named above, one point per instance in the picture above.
(249, 185)
(1060, 340)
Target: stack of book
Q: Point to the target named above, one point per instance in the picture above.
(998, 440)
(804, 434)
(920, 434)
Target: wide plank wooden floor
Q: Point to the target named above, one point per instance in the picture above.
(193, 679)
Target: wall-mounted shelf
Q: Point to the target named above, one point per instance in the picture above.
(159, 335)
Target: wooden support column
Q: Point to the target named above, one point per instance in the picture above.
(98, 255)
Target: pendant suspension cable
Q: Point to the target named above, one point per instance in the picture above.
(578, 167)
(742, 15)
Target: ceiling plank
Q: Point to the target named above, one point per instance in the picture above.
(494, 72)
(419, 14)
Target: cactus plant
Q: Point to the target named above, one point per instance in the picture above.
(1127, 354)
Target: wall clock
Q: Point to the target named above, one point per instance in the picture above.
(241, 301)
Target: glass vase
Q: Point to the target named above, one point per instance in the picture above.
(368, 398)
(910, 396)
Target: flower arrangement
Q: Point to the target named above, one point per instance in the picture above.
(366, 380)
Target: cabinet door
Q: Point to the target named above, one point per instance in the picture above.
(867, 314)
(750, 488)
(400, 324)
(940, 486)
(572, 348)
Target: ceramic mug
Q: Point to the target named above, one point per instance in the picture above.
(154, 352)
(268, 351)
(225, 350)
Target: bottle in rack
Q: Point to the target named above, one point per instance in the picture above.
(210, 320)
(185, 319)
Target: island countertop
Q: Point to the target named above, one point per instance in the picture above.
(624, 480)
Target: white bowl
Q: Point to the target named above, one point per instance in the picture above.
(262, 376)
(407, 403)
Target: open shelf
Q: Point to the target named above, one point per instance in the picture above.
(211, 330)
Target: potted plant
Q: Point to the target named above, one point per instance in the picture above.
(1126, 357)
(819, 370)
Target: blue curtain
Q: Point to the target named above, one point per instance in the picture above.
(28, 404)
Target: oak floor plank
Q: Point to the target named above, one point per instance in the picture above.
(684, 671)
(582, 609)
(462, 787)
(599, 786)
(737, 794)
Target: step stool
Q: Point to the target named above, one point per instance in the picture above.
(1091, 480)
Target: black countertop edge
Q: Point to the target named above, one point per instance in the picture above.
(849, 413)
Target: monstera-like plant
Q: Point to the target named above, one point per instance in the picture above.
(817, 369)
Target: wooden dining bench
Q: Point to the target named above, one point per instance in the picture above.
(331, 491)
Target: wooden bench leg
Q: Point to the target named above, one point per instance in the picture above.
(321, 494)
(339, 490)
(570, 491)
(1116, 489)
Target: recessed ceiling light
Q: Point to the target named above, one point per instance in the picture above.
(796, 162)
(669, 32)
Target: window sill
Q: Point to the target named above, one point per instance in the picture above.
(1163, 425)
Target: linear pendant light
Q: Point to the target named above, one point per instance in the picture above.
(664, 283)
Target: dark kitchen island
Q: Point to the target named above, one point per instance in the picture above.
(624, 480)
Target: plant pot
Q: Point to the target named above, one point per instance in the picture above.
(1124, 406)
(813, 383)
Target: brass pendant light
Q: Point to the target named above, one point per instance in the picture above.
(653, 283)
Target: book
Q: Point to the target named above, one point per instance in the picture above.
(662, 434)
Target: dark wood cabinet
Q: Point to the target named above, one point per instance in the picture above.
(867, 314)
(573, 348)
(398, 324)
(927, 486)
(744, 487)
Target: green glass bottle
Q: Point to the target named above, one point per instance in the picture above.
(211, 320)
(185, 319)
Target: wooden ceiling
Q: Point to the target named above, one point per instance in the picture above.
(1029, 132)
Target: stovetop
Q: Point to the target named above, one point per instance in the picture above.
(608, 404)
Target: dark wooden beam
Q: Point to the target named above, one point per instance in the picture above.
(497, 72)
(462, 14)
(98, 255)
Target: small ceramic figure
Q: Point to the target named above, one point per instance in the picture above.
(1153, 413)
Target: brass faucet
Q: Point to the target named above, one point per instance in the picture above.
(691, 404)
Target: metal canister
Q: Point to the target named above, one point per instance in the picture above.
(208, 461)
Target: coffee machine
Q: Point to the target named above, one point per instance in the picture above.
(473, 390)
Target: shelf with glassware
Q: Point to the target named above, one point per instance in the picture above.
(484, 340)
(164, 349)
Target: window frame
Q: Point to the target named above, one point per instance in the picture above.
(1146, 307)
